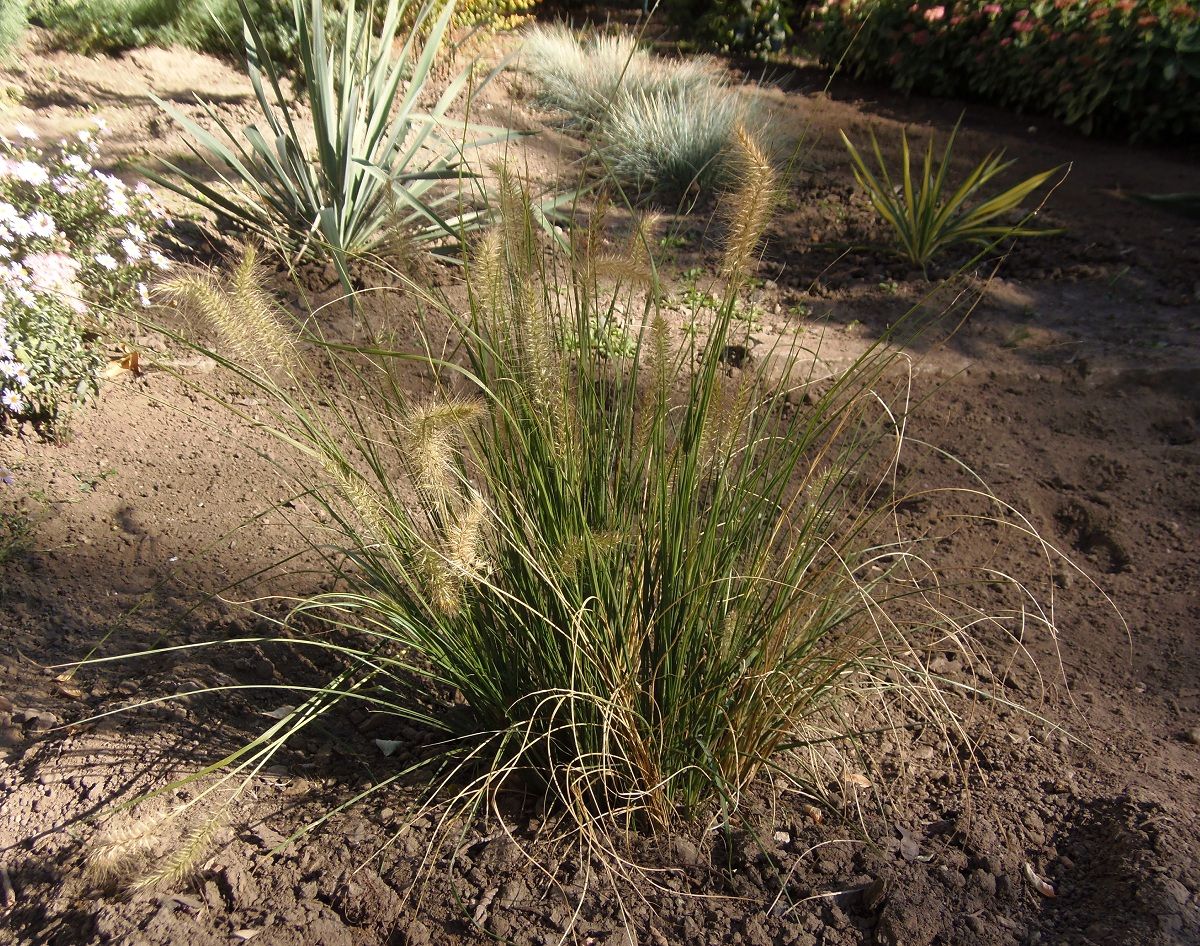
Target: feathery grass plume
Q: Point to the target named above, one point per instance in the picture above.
(443, 585)
(728, 412)
(120, 850)
(486, 281)
(363, 498)
(748, 207)
(244, 317)
(433, 433)
(464, 541)
(640, 238)
(180, 862)
(580, 548)
(631, 267)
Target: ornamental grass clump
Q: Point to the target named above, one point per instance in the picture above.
(657, 124)
(641, 582)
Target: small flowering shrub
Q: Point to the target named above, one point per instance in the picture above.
(75, 247)
(755, 28)
(1114, 67)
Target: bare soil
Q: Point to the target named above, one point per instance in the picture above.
(1071, 389)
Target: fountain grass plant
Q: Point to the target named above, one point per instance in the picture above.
(645, 580)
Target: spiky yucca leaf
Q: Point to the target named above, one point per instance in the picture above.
(926, 216)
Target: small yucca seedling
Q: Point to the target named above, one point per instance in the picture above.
(926, 216)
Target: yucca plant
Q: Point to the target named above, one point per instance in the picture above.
(926, 216)
(366, 169)
(645, 579)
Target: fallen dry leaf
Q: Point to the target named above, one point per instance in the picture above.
(388, 746)
(129, 362)
(1040, 883)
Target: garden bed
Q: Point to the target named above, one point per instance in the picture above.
(1071, 389)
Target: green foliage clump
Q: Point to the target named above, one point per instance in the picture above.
(212, 26)
(755, 28)
(215, 26)
(365, 173)
(13, 19)
(77, 247)
(658, 124)
(1113, 67)
(926, 216)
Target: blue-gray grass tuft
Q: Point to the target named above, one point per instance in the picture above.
(658, 124)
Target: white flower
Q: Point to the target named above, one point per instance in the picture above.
(118, 204)
(100, 123)
(8, 212)
(160, 261)
(6, 476)
(42, 224)
(84, 135)
(107, 261)
(76, 163)
(22, 376)
(136, 232)
(12, 400)
(26, 132)
(143, 294)
(9, 367)
(52, 272)
(143, 189)
(25, 296)
(132, 250)
(30, 172)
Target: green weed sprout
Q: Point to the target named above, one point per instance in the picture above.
(926, 217)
